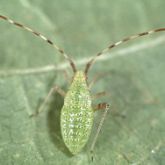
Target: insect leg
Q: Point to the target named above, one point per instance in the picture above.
(99, 94)
(66, 76)
(52, 90)
(104, 106)
(96, 78)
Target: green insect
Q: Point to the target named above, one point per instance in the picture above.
(77, 113)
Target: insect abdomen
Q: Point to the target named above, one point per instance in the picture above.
(77, 115)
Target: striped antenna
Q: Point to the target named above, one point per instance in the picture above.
(61, 51)
(92, 61)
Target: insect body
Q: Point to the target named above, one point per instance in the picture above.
(77, 114)
(78, 111)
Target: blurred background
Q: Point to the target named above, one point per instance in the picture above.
(133, 132)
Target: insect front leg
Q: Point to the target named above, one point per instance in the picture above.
(99, 94)
(96, 78)
(66, 76)
(52, 90)
(100, 106)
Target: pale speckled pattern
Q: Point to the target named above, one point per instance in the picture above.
(77, 114)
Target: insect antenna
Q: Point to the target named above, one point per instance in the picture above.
(61, 51)
(92, 61)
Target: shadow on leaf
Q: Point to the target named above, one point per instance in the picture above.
(53, 122)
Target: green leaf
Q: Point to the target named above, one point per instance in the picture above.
(133, 132)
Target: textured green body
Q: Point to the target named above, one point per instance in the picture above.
(77, 114)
